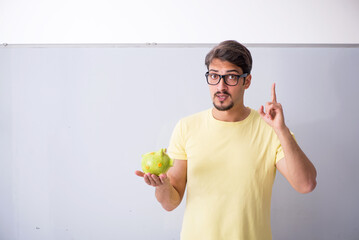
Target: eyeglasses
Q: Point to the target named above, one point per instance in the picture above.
(229, 79)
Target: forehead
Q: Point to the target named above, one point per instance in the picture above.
(220, 65)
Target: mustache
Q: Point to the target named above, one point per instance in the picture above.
(222, 92)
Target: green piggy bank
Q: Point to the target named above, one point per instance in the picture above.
(156, 162)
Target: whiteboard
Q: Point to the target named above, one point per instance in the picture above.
(76, 120)
(186, 21)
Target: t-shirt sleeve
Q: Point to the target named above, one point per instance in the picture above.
(176, 148)
(280, 152)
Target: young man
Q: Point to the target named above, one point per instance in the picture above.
(228, 156)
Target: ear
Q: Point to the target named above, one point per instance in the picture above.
(248, 81)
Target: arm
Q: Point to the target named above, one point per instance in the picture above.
(295, 167)
(170, 187)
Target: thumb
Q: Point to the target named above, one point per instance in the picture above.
(261, 112)
(139, 173)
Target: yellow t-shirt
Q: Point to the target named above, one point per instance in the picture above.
(230, 173)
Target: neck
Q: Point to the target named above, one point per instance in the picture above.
(234, 114)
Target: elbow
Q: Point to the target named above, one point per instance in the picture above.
(169, 208)
(308, 187)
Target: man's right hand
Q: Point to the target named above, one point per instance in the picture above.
(154, 180)
(170, 186)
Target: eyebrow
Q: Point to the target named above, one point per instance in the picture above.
(233, 70)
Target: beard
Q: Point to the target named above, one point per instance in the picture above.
(221, 107)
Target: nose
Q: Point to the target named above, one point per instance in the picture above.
(221, 85)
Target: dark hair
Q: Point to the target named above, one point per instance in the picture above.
(233, 52)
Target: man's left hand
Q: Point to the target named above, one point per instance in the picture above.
(273, 114)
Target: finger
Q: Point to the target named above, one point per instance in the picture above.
(139, 173)
(147, 180)
(277, 105)
(156, 179)
(268, 107)
(273, 107)
(269, 110)
(152, 181)
(274, 96)
(163, 177)
(261, 112)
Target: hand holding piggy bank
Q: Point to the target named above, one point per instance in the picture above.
(156, 162)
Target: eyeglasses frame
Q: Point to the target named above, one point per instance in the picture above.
(224, 79)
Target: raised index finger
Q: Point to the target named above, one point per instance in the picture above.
(274, 97)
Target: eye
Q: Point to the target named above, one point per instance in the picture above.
(213, 76)
(232, 77)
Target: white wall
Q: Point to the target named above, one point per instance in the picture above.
(188, 21)
(75, 121)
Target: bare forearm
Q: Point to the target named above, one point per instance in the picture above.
(301, 172)
(168, 196)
